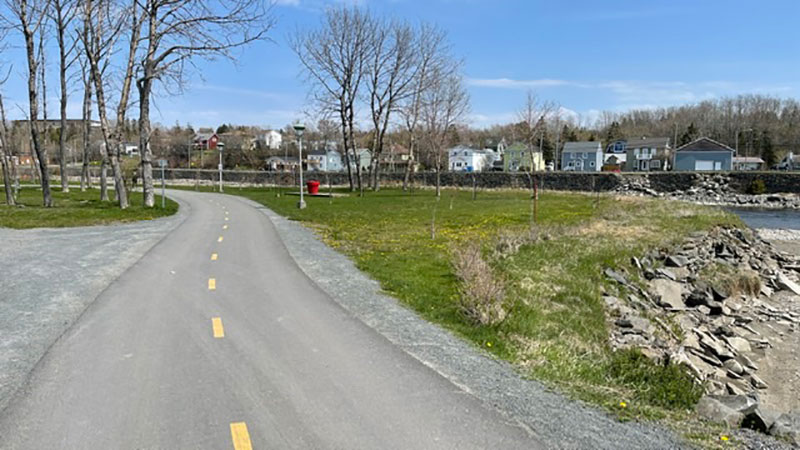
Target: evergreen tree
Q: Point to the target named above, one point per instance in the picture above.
(767, 151)
(690, 135)
(223, 129)
(568, 134)
(614, 132)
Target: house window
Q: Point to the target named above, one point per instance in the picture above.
(572, 155)
(591, 163)
(585, 155)
(466, 153)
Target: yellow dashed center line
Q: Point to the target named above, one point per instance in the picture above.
(216, 324)
(226, 219)
(220, 239)
(240, 436)
(213, 256)
(224, 227)
(212, 284)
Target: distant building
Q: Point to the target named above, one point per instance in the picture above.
(130, 149)
(364, 159)
(647, 154)
(282, 163)
(586, 156)
(517, 157)
(747, 163)
(704, 154)
(324, 161)
(789, 162)
(205, 141)
(465, 159)
(272, 139)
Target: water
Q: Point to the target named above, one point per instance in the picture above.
(769, 218)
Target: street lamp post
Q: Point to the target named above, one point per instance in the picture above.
(298, 129)
(221, 147)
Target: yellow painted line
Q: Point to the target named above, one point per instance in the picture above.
(226, 219)
(213, 256)
(226, 213)
(240, 436)
(224, 227)
(216, 324)
(220, 239)
(212, 284)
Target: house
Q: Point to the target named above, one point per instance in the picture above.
(465, 159)
(364, 158)
(646, 154)
(615, 157)
(282, 163)
(205, 141)
(130, 149)
(395, 158)
(747, 163)
(586, 156)
(324, 161)
(517, 157)
(789, 162)
(272, 139)
(704, 154)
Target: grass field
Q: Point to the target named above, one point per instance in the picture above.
(75, 209)
(555, 329)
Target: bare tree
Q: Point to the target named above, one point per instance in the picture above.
(179, 31)
(391, 72)
(62, 12)
(5, 156)
(27, 17)
(432, 50)
(444, 104)
(334, 58)
(86, 120)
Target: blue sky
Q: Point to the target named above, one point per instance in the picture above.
(587, 55)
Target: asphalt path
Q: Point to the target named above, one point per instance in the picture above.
(216, 339)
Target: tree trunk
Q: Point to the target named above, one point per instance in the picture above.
(33, 104)
(86, 179)
(345, 143)
(5, 157)
(62, 140)
(145, 86)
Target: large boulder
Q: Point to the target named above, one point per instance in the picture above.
(787, 284)
(787, 426)
(714, 410)
(668, 293)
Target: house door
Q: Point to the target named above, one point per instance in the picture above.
(717, 165)
(644, 165)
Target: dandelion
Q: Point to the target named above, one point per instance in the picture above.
(488, 344)
(723, 438)
(623, 405)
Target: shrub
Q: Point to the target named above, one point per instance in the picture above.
(669, 386)
(482, 294)
(757, 187)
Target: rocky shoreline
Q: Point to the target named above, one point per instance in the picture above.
(722, 304)
(715, 190)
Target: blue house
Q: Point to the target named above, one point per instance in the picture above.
(703, 154)
(582, 156)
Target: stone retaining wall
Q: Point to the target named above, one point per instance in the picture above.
(774, 182)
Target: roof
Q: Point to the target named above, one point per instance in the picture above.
(519, 146)
(583, 146)
(650, 142)
(203, 136)
(748, 159)
(317, 153)
(704, 144)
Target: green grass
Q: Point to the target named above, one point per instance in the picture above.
(76, 209)
(556, 329)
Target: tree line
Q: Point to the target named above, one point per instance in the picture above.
(112, 47)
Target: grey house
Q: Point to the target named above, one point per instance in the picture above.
(644, 154)
(582, 156)
(704, 154)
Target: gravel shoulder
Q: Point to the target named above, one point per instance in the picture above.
(50, 275)
(561, 422)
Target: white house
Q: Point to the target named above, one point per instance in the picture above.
(272, 139)
(465, 159)
(325, 161)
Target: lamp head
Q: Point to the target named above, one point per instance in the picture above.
(299, 128)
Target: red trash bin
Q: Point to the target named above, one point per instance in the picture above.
(313, 187)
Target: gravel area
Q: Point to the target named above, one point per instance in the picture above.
(50, 275)
(549, 416)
